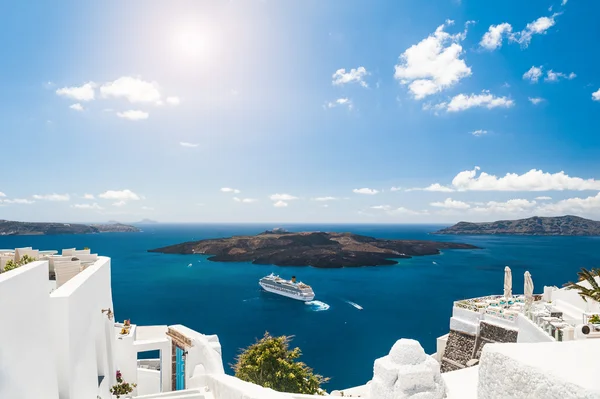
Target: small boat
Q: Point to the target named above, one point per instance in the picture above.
(288, 288)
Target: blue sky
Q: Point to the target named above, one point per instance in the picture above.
(307, 111)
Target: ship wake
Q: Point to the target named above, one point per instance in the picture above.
(317, 306)
(356, 305)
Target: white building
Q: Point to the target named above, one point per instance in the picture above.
(59, 340)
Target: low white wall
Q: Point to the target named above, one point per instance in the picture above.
(464, 320)
(27, 368)
(553, 370)
(529, 332)
(510, 324)
(224, 386)
(148, 381)
(83, 337)
(464, 326)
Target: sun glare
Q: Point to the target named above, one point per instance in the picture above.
(191, 44)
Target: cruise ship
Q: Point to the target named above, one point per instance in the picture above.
(289, 288)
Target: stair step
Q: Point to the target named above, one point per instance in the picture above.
(184, 394)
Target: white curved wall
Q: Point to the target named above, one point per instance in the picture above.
(27, 367)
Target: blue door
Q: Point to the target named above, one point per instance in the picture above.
(179, 369)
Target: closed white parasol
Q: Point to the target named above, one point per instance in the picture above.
(507, 282)
(528, 291)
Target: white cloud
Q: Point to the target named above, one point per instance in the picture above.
(462, 102)
(510, 206)
(282, 197)
(125, 195)
(230, 190)
(173, 100)
(88, 196)
(244, 200)
(493, 37)
(533, 74)
(326, 199)
(84, 92)
(533, 180)
(2, 194)
(436, 187)
(397, 211)
(190, 145)
(564, 2)
(396, 189)
(280, 204)
(479, 132)
(543, 198)
(94, 206)
(366, 191)
(119, 203)
(52, 197)
(573, 206)
(433, 64)
(382, 207)
(339, 102)
(18, 201)
(449, 203)
(555, 76)
(537, 27)
(147, 208)
(133, 115)
(341, 77)
(596, 95)
(536, 100)
(76, 107)
(135, 90)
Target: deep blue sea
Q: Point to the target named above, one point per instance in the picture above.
(412, 299)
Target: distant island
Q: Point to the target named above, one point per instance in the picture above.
(146, 221)
(536, 226)
(317, 249)
(12, 228)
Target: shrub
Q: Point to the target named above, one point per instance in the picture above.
(271, 364)
(122, 387)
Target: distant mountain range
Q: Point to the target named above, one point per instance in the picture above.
(536, 226)
(8, 227)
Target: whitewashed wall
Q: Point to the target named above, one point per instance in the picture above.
(26, 359)
(529, 332)
(224, 386)
(148, 381)
(80, 331)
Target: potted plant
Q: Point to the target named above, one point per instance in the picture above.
(594, 319)
(122, 388)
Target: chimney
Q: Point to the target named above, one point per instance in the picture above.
(293, 279)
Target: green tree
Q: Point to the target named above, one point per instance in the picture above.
(271, 364)
(593, 292)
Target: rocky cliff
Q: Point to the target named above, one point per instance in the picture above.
(539, 226)
(8, 227)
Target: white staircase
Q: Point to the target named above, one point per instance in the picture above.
(184, 394)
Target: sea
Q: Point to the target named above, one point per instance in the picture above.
(412, 299)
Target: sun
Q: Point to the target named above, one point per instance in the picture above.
(191, 43)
